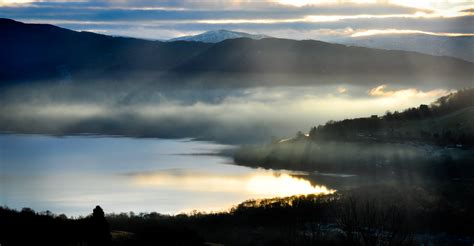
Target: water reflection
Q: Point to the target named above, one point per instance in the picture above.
(73, 174)
(257, 184)
(283, 185)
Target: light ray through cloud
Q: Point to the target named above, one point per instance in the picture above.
(171, 19)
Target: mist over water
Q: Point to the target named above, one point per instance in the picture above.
(72, 174)
(228, 115)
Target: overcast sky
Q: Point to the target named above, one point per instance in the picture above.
(297, 19)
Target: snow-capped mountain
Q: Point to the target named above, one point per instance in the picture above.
(460, 47)
(218, 36)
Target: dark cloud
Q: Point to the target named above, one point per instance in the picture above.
(167, 19)
(92, 12)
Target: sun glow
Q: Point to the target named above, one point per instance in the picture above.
(284, 185)
(7, 3)
(264, 184)
(13, 2)
(380, 91)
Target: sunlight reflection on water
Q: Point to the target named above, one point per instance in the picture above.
(73, 174)
(256, 184)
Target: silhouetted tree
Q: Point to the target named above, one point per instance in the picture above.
(99, 228)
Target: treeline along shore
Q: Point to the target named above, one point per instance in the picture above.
(382, 215)
(434, 140)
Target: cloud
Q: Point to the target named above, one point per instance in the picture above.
(14, 2)
(396, 31)
(165, 29)
(341, 89)
(407, 94)
(168, 19)
(152, 33)
(330, 18)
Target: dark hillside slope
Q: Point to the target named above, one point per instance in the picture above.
(314, 57)
(36, 52)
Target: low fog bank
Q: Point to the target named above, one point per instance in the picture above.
(228, 115)
(403, 163)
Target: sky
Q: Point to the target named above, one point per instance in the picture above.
(296, 19)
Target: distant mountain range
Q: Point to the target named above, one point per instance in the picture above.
(218, 36)
(460, 47)
(38, 52)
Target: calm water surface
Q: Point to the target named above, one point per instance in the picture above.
(73, 174)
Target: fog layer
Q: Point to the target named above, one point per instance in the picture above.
(238, 115)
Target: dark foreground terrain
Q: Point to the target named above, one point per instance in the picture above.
(382, 215)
